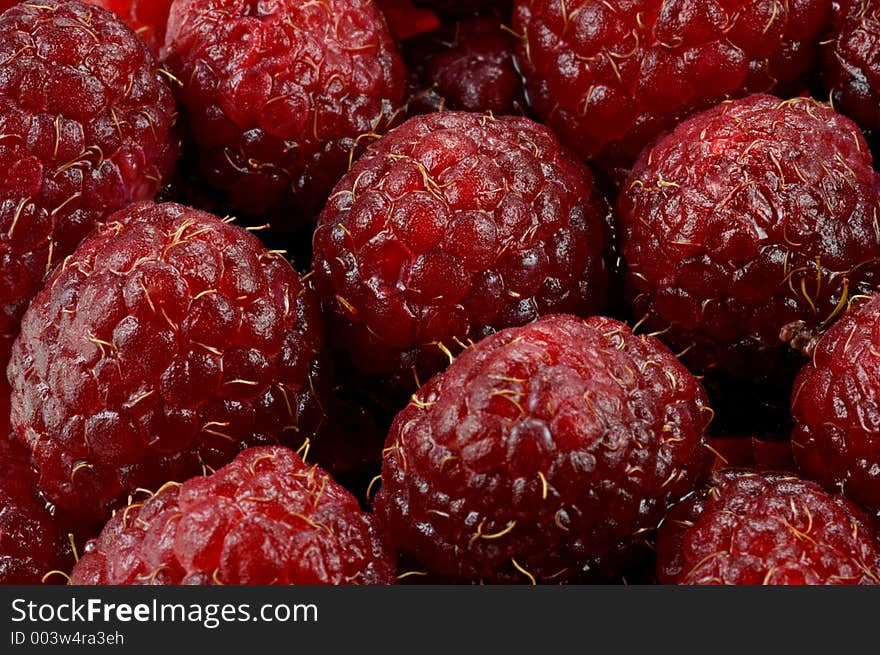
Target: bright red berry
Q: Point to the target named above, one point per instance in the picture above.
(610, 76)
(451, 226)
(146, 17)
(747, 528)
(278, 93)
(265, 518)
(836, 406)
(465, 65)
(543, 453)
(754, 216)
(87, 127)
(169, 340)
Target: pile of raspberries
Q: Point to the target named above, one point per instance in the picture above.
(440, 291)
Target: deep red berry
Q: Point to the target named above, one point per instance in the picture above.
(265, 518)
(27, 536)
(465, 65)
(451, 226)
(747, 528)
(850, 68)
(610, 76)
(278, 93)
(836, 406)
(146, 17)
(543, 452)
(86, 123)
(754, 216)
(168, 340)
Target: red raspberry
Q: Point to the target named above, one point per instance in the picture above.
(610, 76)
(836, 407)
(86, 123)
(465, 65)
(748, 528)
(27, 536)
(279, 92)
(850, 68)
(451, 226)
(542, 452)
(146, 17)
(748, 218)
(168, 340)
(265, 518)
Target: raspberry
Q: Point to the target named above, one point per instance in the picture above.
(836, 406)
(765, 528)
(451, 226)
(27, 536)
(265, 518)
(146, 17)
(752, 217)
(610, 76)
(169, 340)
(87, 126)
(850, 68)
(278, 93)
(542, 452)
(466, 65)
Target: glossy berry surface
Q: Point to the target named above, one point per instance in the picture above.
(278, 93)
(747, 528)
(542, 453)
(265, 518)
(27, 536)
(146, 17)
(87, 127)
(752, 217)
(465, 65)
(168, 340)
(850, 68)
(610, 76)
(836, 406)
(451, 226)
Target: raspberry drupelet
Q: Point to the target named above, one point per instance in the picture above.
(465, 65)
(86, 121)
(748, 528)
(146, 17)
(836, 406)
(278, 94)
(610, 76)
(543, 453)
(749, 225)
(850, 68)
(265, 518)
(449, 227)
(169, 340)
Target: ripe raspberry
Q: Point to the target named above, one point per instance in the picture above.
(850, 68)
(836, 407)
(86, 123)
(278, 93)
(27, 536)
(146, 17)
(542, 452)
(451, 226)
(748, 218)
(610, 76)
(265, 518)
(465, 65)
(765, 528)
(169, 339)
